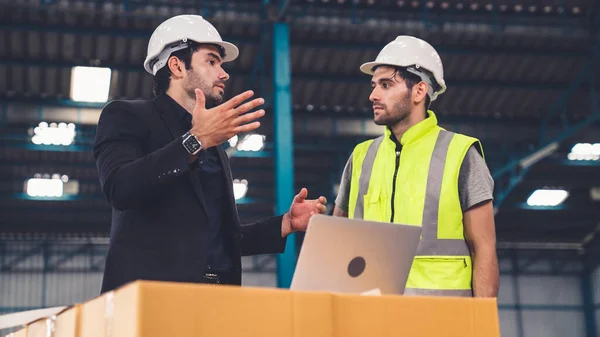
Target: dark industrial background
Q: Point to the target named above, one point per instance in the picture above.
(522, 76)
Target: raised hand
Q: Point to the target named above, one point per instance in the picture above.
(217, 125)
(301, 211)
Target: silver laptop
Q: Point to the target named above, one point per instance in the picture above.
(354, 256)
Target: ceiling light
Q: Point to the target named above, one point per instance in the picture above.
(53, 134)
(585, 151)
(547, 197)
(90, 84)
(252, 142)
(44, 187)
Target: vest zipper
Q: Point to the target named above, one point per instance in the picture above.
(394, 183)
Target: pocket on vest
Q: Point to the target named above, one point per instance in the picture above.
(373, 207)
(433, 272)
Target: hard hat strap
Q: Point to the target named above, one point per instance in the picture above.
(160, 60)
(426, 77)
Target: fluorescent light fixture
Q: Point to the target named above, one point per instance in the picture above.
(252, 142)
(585, 151)
(45, 186)
(547, 197)
(90, 84)
(53, 134)
(51, 186)
(240, 187)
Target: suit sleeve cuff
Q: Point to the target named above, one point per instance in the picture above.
(274, 234)
(173, 162)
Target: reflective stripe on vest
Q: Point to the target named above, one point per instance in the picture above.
(365, 177)
(439, 292)
(430, 244)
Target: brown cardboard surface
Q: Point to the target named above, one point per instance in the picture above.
(92, 317)
(485, 316)
(312, 314)
(415, 316)
(202, 310)
(127, 305)
(37, 328)
(63, 324)
(156, 309)
(66, 324)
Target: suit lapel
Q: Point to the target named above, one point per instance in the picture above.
(169, 117)
(176, 130)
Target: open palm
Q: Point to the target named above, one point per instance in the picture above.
(302, 209)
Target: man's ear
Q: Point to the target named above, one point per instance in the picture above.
(176, 67)
(419, 93)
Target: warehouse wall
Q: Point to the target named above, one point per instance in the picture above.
(26, 290)
(547, 306)
(540, 304)
(596, 285)
(22, 291)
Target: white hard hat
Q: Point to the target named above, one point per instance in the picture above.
(414, 54)
(174, 33)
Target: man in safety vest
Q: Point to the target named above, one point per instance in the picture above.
(419, 174)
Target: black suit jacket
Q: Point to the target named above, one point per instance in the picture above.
(159, 219)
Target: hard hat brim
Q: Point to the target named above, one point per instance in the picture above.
(367, 68)
(231, 51)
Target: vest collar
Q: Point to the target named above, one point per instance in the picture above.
(415, 132)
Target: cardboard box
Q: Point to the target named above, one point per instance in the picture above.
(356, 316)
(93, 319)
(156, 309)
(63, 324)
(312, 314)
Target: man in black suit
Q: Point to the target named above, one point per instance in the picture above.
(168, 180)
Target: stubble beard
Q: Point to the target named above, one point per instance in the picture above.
(399, 112)
(196, 82)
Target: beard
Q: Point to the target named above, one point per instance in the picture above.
(196, 82)
(399, 112)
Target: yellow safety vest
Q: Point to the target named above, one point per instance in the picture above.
(419, 185)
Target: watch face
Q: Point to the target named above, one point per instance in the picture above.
(191, 144)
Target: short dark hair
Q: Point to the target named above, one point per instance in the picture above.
(410, 79)
(162, 79)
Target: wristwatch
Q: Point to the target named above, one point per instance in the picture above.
(191, 143)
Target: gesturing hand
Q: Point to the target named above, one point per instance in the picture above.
(301, 211)
(217, 125)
